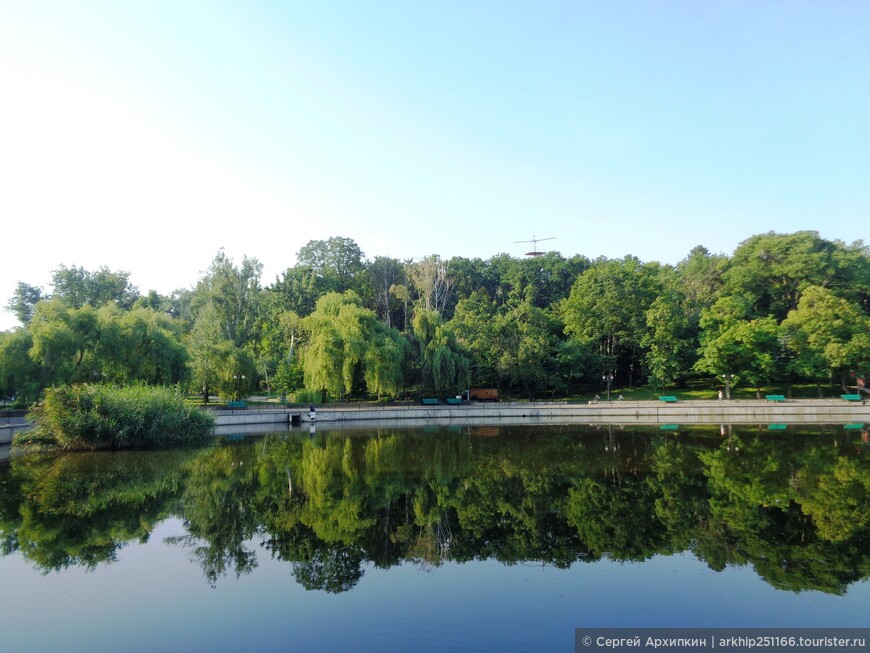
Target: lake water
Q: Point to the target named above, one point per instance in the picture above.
(443, 539)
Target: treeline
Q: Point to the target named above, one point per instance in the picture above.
(784, 308)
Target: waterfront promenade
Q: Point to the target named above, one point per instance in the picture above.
(819, 411)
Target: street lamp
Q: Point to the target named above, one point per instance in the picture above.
(240, 380)
(608, 377)
(727, 378)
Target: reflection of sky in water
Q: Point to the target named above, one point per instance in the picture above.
(154, 599)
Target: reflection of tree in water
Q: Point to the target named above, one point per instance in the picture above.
(796, 510)
(331, 569)
(794, 507)
(81, 509)
(220, 511)
(430, 545)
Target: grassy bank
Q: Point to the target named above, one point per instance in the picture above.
(88, 417)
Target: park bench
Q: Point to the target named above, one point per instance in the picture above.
(237, 404)
(775, 397)
(431, 401)
(669, 427)
(777, 427)
(668, 399)
(454, 400)
(851, 397)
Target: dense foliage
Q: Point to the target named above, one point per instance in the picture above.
(106, 417)
(784, 308)
(794, 506)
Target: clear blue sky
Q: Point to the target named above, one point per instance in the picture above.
(146, 135)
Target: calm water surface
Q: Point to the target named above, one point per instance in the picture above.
(466, 539)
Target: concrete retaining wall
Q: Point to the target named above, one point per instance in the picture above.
(820, 411)
(624, 412)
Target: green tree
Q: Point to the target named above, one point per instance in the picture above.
(445, 365)
(384, 273)
(19, 374)
(827, 335)
(700, 278)
(527, 338)
(430, 279)
(734, 348)
(607, 309)
(335, 263)
(234, 293)
(297, 290)
(141, 345)
(209, 351)
(473, 323)
(76, 287)
(772, 270)
(64, 342)
(670, 341)
(345, 344)
(23, 302)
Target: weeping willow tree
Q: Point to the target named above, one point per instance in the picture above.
(446, 367)
(346, 343)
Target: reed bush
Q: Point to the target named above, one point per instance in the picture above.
(93, 416)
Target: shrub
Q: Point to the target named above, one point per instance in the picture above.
(107, 417)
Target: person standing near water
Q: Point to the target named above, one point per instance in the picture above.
(312, 413)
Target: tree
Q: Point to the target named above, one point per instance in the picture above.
(734, 347)
(607, 308)
(76, 287)
(64, 341)
(384, 273)
(827, 335)
(334, 262)
(209, 350)
(235, 294)
(473, 323)
(527, 338)
(445, 365)
(772, 270)
(430, 279)
(346, 343)
(670, 341)
(298, 290)
(19, 373)
(23, 302)
(142, 345)
(700, 278)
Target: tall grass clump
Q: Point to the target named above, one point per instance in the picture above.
(107, 417)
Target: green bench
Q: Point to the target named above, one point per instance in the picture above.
(851, 397)
(668, 399)
(237, 404)
(775, 397)
(430, 401)
(454, 400)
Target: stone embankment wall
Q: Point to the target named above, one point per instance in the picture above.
(623, 412)
(615, 412)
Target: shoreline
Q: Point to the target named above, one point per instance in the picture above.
(735, 411)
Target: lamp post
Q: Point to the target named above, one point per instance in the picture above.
(608, 377)
(240, 380)
(727, 379)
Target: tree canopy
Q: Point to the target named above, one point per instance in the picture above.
(784, 308)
